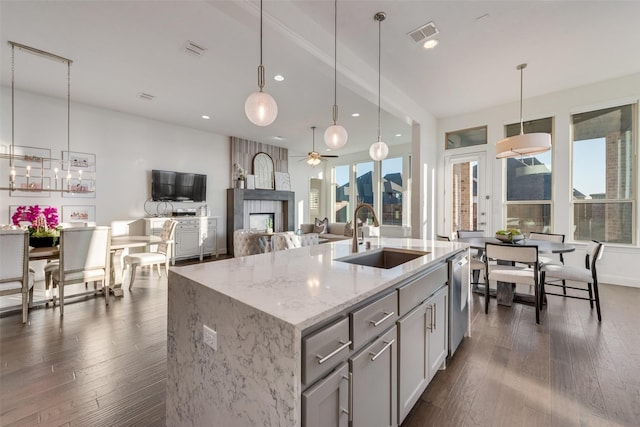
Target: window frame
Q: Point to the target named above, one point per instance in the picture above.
(635, 111)
(551, 201)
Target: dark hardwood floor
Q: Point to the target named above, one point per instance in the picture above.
(103, 366)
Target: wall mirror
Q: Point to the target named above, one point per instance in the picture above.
(263, 170)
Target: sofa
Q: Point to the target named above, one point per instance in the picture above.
(335, 231)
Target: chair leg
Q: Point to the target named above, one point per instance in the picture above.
(159, 271)
(540, 300)
(25, 307)
(536, 296)
(590, 295)
(105, 287)
(564, 287)
(486, 297)
(133, 275)
(597, 298)
(61, 293)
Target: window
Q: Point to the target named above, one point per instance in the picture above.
(466, 138)
(391, 191)
(603, 175)
(383, 185)
(529, 181)
(364, 187)
(341, 183)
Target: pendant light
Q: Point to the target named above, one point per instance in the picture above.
(260, 107)
(524, 144)
(335, 136)
(379, 150)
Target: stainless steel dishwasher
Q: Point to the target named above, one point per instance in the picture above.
(458, 299)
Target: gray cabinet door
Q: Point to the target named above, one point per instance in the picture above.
(438, 338)
(374, 377)
(413, 366)
(326, 403)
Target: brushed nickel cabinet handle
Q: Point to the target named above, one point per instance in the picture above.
(350, 397)
(386, 316)
(388, 344)
(429, 325)
(322, 359)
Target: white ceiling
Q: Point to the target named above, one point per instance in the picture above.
(121, 48)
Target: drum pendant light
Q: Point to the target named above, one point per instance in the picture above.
(335, 136)
(379, 150)
(524, 144)
(260, 107)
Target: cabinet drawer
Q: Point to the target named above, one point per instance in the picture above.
(373, 319)
(324, 350)
(415, 292)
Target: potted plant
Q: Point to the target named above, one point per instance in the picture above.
(240, 173)
(42, 224)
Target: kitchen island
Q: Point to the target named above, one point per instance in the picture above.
(261, 307)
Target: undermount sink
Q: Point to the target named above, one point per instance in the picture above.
(383, 258)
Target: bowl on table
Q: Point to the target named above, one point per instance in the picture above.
(509, 238)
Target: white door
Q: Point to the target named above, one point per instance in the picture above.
(466, 199)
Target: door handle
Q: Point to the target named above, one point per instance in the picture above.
(322, 359)
(388, 344)
(386, 316)
(348, 411)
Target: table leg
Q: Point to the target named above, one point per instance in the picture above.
(504, 293)
(115, 282)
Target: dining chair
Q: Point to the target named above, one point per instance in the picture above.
(476, 259)
(84, 257)
(15, 275)
(544, 259)
(441, 238)
(527, 273)
(248, 242)
(290, 240)
(162, 254)
(587, 275)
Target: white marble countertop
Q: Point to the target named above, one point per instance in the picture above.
(305, 286)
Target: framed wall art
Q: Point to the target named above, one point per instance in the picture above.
(78, 213)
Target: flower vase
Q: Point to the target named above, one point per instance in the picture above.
(42, 242)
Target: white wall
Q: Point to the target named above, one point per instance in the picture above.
(618, 264)
(127, 147)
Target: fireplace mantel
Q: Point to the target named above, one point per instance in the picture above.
(236, 198)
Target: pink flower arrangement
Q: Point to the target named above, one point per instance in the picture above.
(43, 222)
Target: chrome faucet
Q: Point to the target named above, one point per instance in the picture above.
(354, 243)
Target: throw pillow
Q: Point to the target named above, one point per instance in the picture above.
(321, 226)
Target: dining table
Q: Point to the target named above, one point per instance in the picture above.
(506, 293)
(118, 245)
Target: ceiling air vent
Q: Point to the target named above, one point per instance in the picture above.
(194, 48)
(146, 96)
(423, 32)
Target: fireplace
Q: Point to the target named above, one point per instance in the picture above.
(241, 203)
(260, 221)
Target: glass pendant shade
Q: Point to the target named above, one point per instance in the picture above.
(261, 109)
(379, 151)
(335, 137)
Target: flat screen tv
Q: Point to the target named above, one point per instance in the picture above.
(178, 186)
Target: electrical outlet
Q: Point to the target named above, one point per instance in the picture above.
(210, 337)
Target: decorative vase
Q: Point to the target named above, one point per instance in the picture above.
(42, 242)
(240, 183)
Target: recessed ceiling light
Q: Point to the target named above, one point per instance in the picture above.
(355, 115)
(279, 138)
(278, 77)
(430, 44)
(146, 96)
(328, 149)
(398, 134)
(206, 117)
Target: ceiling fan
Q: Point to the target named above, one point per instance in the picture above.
(313, 157)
